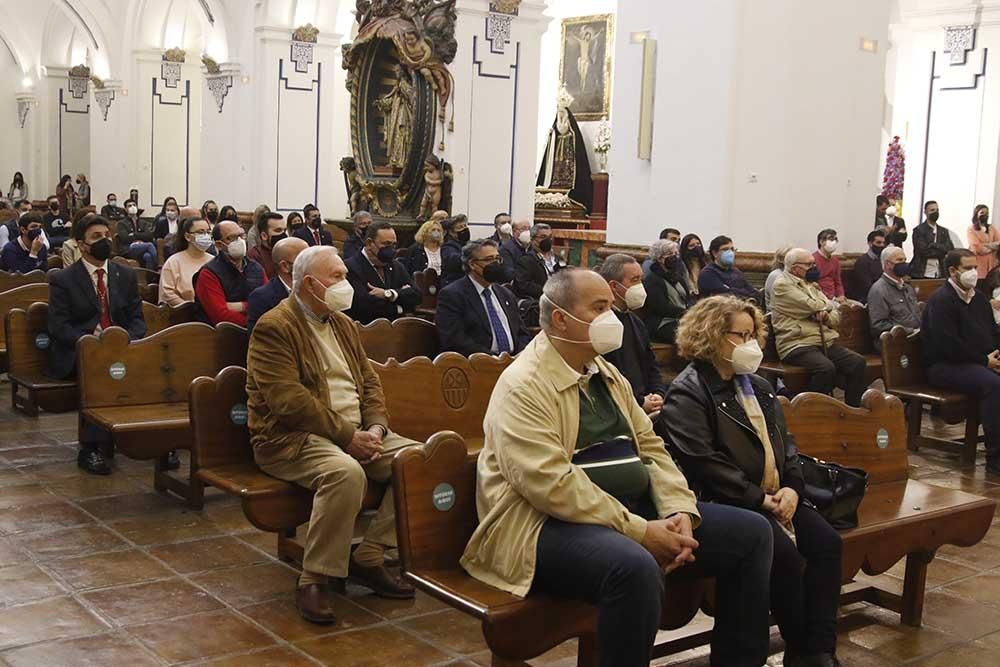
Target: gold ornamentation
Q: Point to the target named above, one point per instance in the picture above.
(210, 65)
(307, 33)
(175, 55)
(81, 71)
(505, 6)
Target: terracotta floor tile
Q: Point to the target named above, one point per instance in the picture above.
(11, 476)
(983, 588)
(25, 494)
(981, 556)
(23, 456)
(98, 651)
(36, 518)
(394, 609)
(109, 569)
(283, 656)
(266, 542)
(451, 629)
(10, 554)
(51, 471)
(940, 571)
(373, 647)
(130, 506)
(964, 619)
(84, 487)
(283, 619)
(201, 636)
(967, 655)
(229, 519)
(915, 643)
(241, 586)
(142, 603)
(22, 440)
(24, 582)
(210, 554)
(49, 619)
(69, 542)
(165, 529)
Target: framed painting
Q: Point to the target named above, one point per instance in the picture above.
(585, 64)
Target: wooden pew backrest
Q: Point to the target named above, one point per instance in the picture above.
(26, 332)
(9, 281)
(924, 287)
(854, 329)
(902, 359)
(872, 437)
(429, 283)
(402, 339)
(163, 316)
(450, 393)
(218, 407)
(22, 297)
(150, 293)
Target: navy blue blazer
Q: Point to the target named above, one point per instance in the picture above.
(463, 325)
(263, 299)
(366, 308)
(306, 234)
(512, 252)
(353, 246)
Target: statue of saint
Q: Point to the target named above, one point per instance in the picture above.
(397, 106)
(566, 166)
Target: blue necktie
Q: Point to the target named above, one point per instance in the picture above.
(503, 345)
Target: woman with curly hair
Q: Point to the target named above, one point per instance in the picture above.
(727, 431)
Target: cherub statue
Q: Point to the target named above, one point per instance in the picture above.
(433, 182)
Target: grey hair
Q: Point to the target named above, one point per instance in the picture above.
(538, 228)
(526, 224)
(558, 294)
(660, 248)
(794, 255)
(361, 214)
(613, 267)
(888, 251)
(304, 263)
(471, 250)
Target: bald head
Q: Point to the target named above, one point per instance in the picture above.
(796, 256)
(283, 255)
(581, 292)
(190, 212)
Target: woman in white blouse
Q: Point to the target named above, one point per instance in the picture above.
(425, 253)
(190, 253)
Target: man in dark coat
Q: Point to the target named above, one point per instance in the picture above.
(382, 285)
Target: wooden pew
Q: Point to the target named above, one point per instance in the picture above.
(28, 345)
(905, 377)
(926, 286)
(162, 316)
(18, 297)
(9, 281)
(669, 362)
(855, 334)
(55, 261)
(899, 517)
(401, 339)
(150, 293)
(773, 368)
(138, 392)
(428, 282)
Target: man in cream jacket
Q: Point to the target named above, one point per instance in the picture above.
(578, 498)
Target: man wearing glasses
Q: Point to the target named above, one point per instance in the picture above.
(223, 286)
(805, 330)
(477, 313)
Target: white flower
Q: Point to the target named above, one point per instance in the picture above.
(602, 143)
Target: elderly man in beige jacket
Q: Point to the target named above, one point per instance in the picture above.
(805, 330)
(577, 496)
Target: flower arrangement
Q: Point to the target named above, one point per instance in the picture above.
(602, 143)
(895, 171)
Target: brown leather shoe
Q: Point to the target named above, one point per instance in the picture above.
(314, 604)
(381, 581)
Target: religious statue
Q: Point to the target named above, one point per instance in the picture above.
(437, 181)
(566, 167)
(585, 40)
(397, 106)
(354, 184)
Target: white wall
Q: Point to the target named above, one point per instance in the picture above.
(776, 88)
(11, 157)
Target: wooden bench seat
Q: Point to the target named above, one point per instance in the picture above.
(9, 281)
(400, 339)
(18, 297)
(429, 283)
(28, 349)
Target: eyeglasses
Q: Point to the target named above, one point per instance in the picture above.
(490, 260)
(745, 336)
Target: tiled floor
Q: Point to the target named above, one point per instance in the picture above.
(103, 571)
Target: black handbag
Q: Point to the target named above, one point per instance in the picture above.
(835, 491)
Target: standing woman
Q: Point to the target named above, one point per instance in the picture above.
(83, 192)
(18, 188)
(65, 194)
(984, 241)
(693, 258)
(726, 430)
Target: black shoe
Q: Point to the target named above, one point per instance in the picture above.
(993, 467)
(793, 659)
(107, 450)
(93, 462)
(170, 461)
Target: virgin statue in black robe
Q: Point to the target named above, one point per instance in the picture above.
(565, 165)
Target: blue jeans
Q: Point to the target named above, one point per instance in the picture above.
(143, 252)
(984, 385)
(619, 576)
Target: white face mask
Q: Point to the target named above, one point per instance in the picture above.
(505, 229)
(605, 332)
(635, 296)
(829, 246)
(968, 278)
(202, 242)
(131, 210)
(171, 215)
(113, 203)
(339, 296)
(524, 237)
(237, 249)
(890, 212)
(746, 358)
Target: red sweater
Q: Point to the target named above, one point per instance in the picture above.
(212, 298)
(829, 275)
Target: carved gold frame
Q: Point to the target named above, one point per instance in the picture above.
(609, 26)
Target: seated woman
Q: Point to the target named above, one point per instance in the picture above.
(693, 259)
(190, 254)
(70, 250)
(229, 213)
(293, 222)
(726, 430)
(667, 293)
(161, 223)
(425, 253)
(456, 234)
(135, 237)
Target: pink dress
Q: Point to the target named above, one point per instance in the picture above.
(986, 259)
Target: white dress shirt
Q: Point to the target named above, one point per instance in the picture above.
(500, 312)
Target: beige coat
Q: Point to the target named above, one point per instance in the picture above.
(793, 307)
(525, 472)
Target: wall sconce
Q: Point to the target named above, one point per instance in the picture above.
(638, 37)
(125, 92)
(869, 45)
(27, 82)
(245, 79)
(647, 93)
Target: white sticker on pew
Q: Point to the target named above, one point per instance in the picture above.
(42, 341)
(117, 370)
(443, 497)
(904, 361)
(882, 439)
(238, 414)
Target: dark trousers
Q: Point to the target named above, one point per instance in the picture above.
(838, 367)
(984, 384)
(805, 583)
(621, 577)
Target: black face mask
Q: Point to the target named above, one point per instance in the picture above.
(101, 250)
(933, 217)
(212, 216)
(901, 270)
(545, 245)
(315, 224)
(273, 240)
(671, 264)
(876, 250)
(387, 254)
(493, 273)
(34, 234)
(361, 231)
(812, 275)
(464, 236)
(696, 251)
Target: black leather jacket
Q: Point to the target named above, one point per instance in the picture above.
(712, 440)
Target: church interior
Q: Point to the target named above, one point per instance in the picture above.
(581, 129)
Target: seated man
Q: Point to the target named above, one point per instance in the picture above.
(502, 228)
(222, 287)
(634, 359)
(356, 241)
(722, 276)
(270, 230)
(805, 329)
(892, 300)
(382, 285)
(317, 418)
(265, 298)
(27, 252)
(830, 282)
(514, 248)
(56, 227)
(537, 264)
(312, 232)
(112, 211)
(87, 297)
(578, 498)
(477, 313)
(868, 267)
(960, 341)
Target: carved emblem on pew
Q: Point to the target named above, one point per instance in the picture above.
(455, 387)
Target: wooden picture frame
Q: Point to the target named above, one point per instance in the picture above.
(588, 79)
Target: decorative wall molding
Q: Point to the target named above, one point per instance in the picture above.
(509, 7)
(958, 41)
(314, 88)
(170, 73)
(24, 105)
(104, 97)
(498, 31)
(302, 55)
(79, 87)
